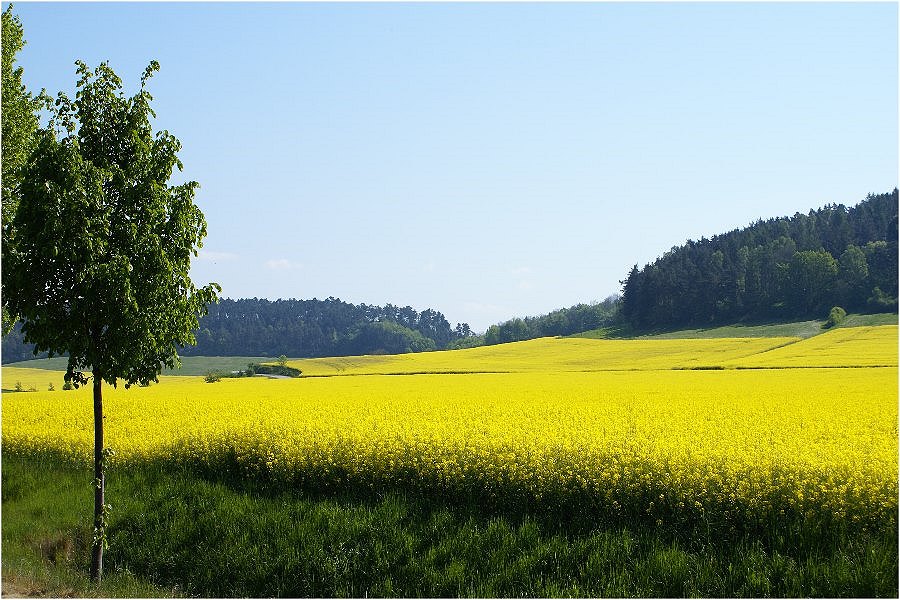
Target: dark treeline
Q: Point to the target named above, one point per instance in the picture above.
(331, 327)
(303, 328)
(564, 321)
(796, 267)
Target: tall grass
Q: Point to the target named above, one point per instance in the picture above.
(47, 508)
(180, 532)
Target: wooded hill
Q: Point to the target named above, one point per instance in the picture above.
(783, 268)
(564, 321)
(780, 269)
(330, 327)
(303, 328)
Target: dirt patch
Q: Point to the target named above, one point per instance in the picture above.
(15, 587)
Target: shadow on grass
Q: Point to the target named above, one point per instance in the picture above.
(211, 533)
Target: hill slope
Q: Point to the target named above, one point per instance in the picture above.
(795, 267)
(330, 327)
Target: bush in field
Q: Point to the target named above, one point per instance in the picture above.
(279, 369)
(835, 317)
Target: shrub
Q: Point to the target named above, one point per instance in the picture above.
(212, 377)
(257, 369)
(835, 317)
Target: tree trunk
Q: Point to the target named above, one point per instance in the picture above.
(99, 486)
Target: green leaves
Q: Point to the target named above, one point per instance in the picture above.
(18, 116)
(98, 260)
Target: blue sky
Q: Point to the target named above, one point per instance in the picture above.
(490, 160)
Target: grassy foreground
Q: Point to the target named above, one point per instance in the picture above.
(181, 533)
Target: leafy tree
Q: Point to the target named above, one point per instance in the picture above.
(810, 275)
(853, 270)
(387, 337)
(835, 316)
(18, 116)
(100, 248)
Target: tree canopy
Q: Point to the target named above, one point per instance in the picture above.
(330, 327)
(791, 267)
(303, 328)
(100, 246)
(18, 115)
(563, 321)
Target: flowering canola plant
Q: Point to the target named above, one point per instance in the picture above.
(550, 354)
(843, 347)
(814, 443)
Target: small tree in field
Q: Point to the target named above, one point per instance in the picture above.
(100, 248)
(835, 317)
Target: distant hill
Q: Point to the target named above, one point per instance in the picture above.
(303, 328)
(783, 268)
(563, 321)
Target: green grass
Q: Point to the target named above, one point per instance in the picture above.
(190, 365)
(869, 320)
(178, 532)
(47, 511)
(801, 329)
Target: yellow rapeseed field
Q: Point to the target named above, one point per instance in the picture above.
(551, 354)
(845, 347)
(31, 379)
(812, 441)
(816, 441)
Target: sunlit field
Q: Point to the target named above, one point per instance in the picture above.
(844, 347)
(569, 425)
(850, 347)
(551, 355)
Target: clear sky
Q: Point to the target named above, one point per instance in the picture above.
(490, 160)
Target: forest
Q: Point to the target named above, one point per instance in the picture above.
(564, 321)
(302, 328)
(332, 327)
(783, 268)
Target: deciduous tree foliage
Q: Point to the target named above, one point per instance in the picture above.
(19, 126)
(98, 254)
